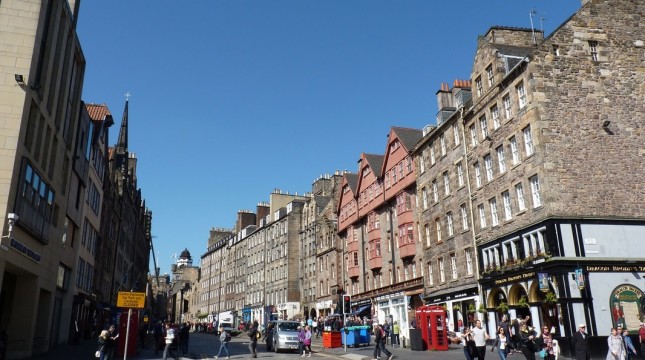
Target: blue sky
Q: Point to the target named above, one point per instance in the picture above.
(232, 99)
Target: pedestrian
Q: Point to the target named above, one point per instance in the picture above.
(395, 333)
(516, 339)
(307, 342)
(170, 339)
(547, 344)
(470, 349)
(387, 329)
(301, 341)
(504, 324)
(501, 343)
(184, 333)
(580, 342)
(480, 335)
(158, 335)
(616, 346)
(253, 339)
(629, 345)
(528, 345)
(641, 338)
(379, 347)
(224, 339)
(106, 345)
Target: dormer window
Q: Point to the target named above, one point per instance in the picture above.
(489, 74)
(479, 86)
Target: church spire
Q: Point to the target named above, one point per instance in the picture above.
(121, 148)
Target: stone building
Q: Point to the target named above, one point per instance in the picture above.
(183, 295)
(320, 250)
(444, 211)
(210, 288)
(382, 256)
(554, 154)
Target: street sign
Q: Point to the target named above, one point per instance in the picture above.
(133, 300)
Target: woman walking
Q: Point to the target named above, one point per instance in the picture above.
(616, 346)
(224, 338)
(106, 346)
(307, 342)
(547, 344)
(380, 338)
(501, 343)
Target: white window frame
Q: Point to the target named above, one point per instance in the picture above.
(424, 194)
(492, 202)
(494, 114)
(435, 191)
(457, 136)
(442, 142)
(519, 193)
(460, 174)
(483, 124)
(473, 136)
(515, 150)
(430, 274)
(501, 159)
(464, 217)
(442, 274)
(469, 261)
(449, 222)
(521, 95)
(528, 141)
(482, 216)
(479, 86)
(508, 107)
(453, 266)
(508, 210)
(490, 76)
(446, 183)
(422, 164)
(535, 191)
(438, 230)
(488, 163)
(426, 228)
(433, 160)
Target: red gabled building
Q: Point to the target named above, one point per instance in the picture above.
(376, 224)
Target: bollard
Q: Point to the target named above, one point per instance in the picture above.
(403, 341)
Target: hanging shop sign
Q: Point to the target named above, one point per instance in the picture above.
(543, 282)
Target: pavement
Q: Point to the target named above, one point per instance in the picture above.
(205, 346)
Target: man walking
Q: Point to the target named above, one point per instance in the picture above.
(253, 339)
(480, 335)
(170, 337)
(580, 342)
(641, 338)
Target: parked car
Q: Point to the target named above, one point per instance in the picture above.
(285, 335)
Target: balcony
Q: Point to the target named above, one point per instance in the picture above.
(407, 250)
(375, 263)
(353, 272)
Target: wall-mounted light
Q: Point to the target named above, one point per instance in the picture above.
(606, 123)
(20, 79)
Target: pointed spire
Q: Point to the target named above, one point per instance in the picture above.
(121, 154)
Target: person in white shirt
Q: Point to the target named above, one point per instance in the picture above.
(480, 335)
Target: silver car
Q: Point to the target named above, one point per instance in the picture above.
(285, 335)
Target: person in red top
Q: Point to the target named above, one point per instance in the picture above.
(641, 338)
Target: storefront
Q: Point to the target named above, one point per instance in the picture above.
(324, 308)
(288, 310)
(461, 307)
(394, 308)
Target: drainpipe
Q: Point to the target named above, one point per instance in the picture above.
(394, 272)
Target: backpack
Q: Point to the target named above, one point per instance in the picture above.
(227, 337)
(383, 336)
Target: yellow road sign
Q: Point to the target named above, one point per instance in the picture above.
(128, 299)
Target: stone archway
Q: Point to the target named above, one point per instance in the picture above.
(312, 313)
(495, 297)
(516, 292)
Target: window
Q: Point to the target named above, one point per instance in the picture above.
(535, 191)
(473, 136)
(424, 193)
(489, 75)
(521, 95)
(442, 140)
(501, 161)
(478, 175)
(453, 266)
(464, 216)
(460, 174)
(435, 191)
(451, 228)
(528, 141)
(493, 211)
(593, 50)
(508, 110)
(432, 157)
(442, 274)
(534, 242)
(482, 216)
(483, 124)
(494, 113)
(422, 165)
(556, 50)
(437, 223)
(393, 171)
(469, 262)
(478, 85)
(488, 163)
(408, 164)
(519, 192)
(455, 132)
(427, 231)
(515, 151)
(446, 183)
(506, 197)
(430, 274)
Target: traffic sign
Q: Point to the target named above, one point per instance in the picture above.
(134, 300)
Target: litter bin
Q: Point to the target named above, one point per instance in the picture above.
(416, 342)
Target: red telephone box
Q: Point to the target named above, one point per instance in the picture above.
(432, 322)
(133, 334)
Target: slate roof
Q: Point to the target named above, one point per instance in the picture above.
(409, 137)
(375, 162)
(352, 181)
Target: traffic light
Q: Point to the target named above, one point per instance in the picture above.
(347, 304)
